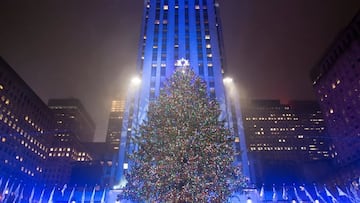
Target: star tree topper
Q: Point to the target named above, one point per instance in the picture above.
(182, 63)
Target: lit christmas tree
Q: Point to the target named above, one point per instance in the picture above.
(184, 153)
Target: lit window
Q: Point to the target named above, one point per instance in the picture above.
(3, 139)
(237, 139)
(1, 87)
(337, 81)
(207, 36)
(208, 46)
(126, 166)
(197, 7)
(166, 7)
(331, 111)
(333, 86)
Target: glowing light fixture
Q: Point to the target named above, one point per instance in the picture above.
(227, 80)
(135, 81)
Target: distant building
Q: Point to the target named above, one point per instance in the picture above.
(95, 171)
(113, 140)
(115, 124)
(26, 132)
(282, 138)
(336, 80)
(73, 118)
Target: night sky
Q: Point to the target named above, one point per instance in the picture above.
(87, 49)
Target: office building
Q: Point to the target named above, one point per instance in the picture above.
(26, 132)
(175, 34)
(336, 80)
(73, 119)
(115, 124)
(283, 138)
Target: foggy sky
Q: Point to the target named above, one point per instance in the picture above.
(87, 49)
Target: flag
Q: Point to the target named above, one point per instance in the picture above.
(16, 192)
(83, 196)
(41, 196)
(274, 197)
(5, 188)
(318, 194)
(21, 194)
(71, 195)
(63, 190)
(262, 193)
(284, 193)
(308, 194)
(333, 199)
(351, 198)
(297, 195)
(354, 192)
(31, 195)
(51, 195)
(92, 199)
(103, 196)
(341, 193)
(11, 188)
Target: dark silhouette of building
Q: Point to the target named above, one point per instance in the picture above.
(113, 140)
(26, 132)
(336, 80)
(115, 124)
(73, 118)
(284, 140)
(73, 128)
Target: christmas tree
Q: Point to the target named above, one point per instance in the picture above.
(184, 153)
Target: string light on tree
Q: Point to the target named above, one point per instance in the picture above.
(185, 153)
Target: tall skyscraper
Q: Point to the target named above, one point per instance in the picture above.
(336, 80)
(179, 33)
(115, 124)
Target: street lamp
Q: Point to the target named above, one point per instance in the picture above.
(227, 80)
(135, 81)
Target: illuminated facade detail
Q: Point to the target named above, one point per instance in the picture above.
(183, 32)
(336, 80)
(277, 133)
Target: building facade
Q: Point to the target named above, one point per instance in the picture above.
(187, 33)
(283, 138)
(336, 80)
(73, 118)
(26, 130)
(115, 124)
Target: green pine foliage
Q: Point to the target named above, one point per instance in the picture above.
(184, 154)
